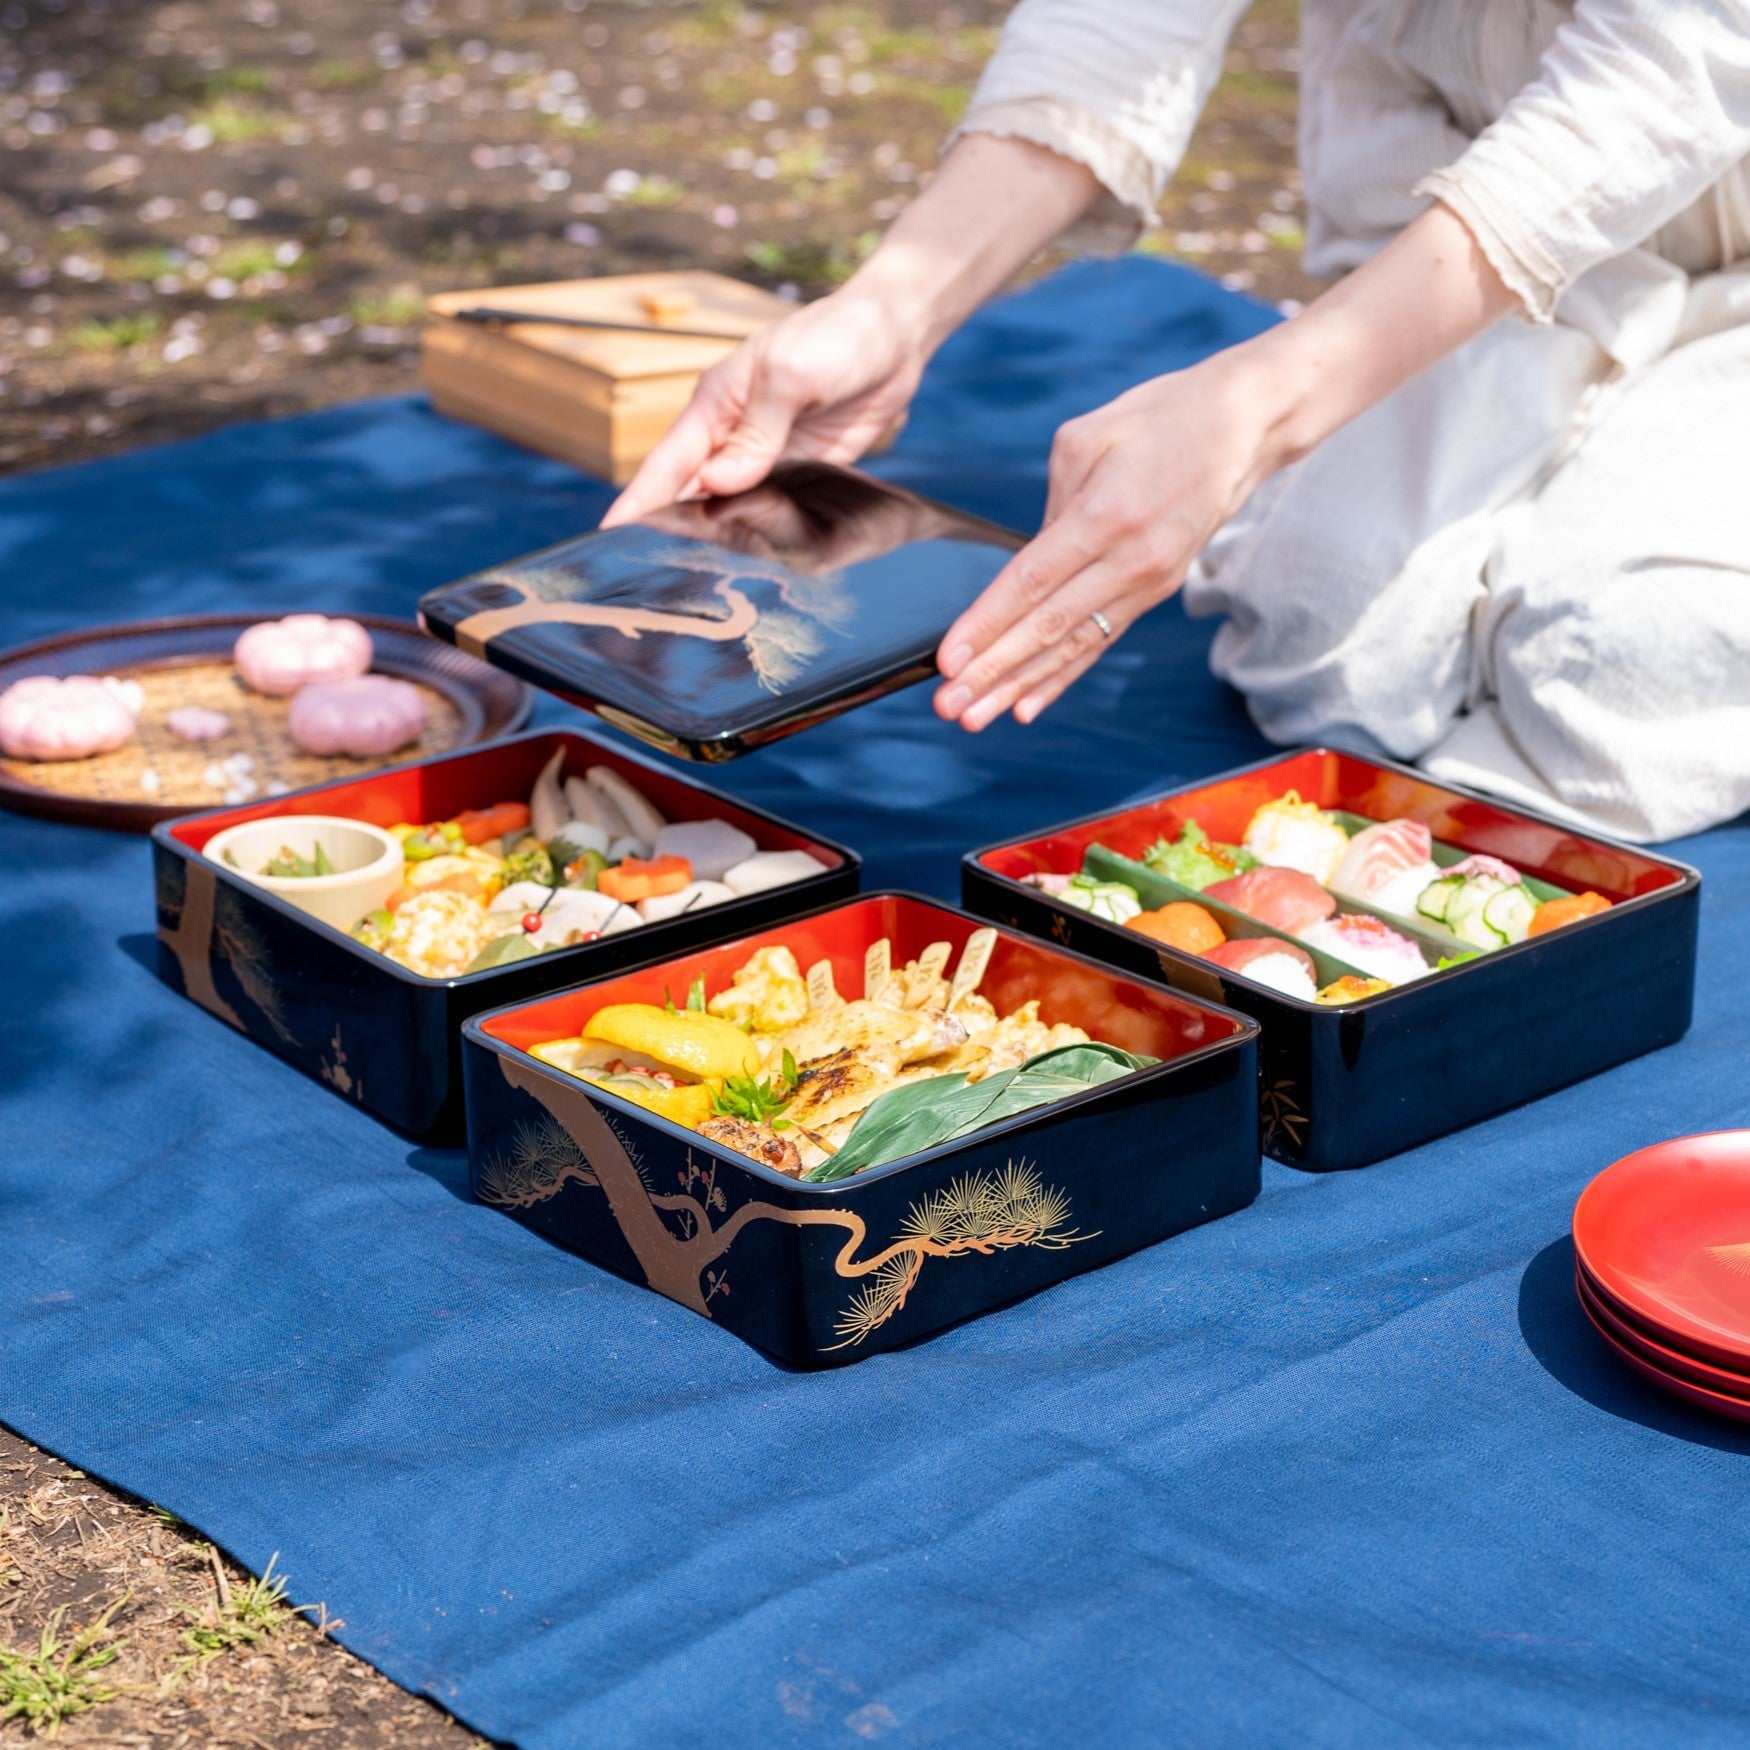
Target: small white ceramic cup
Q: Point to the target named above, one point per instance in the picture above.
(367, 862)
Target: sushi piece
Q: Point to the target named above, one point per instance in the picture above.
(1374, 947)
(1194, 859)
(1286, 899)
(1553, 913)
(1115, 901)
(1278, 966)
(1350, 988)
(1291, 834)
(1180, 925)
(1476, 902)
(1388, 865)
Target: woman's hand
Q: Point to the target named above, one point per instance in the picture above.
(824, 383)
(1139, 486)
(1136, 489)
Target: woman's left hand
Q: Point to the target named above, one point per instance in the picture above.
(1136, 489)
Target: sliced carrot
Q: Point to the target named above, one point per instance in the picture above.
(463, 881)
(1553, 913)
(635, 879)
(477, 825)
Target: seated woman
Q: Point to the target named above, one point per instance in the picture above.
(1515, 551)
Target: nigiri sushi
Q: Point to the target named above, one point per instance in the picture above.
(1180, 925)
(1366, 943)
(1286, 899)
(1553, 913)
(1350, 988)
(1481, 901)
(1291, 834)
(1279, 966)
(1388, 865)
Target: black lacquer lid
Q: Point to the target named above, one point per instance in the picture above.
(716, 625)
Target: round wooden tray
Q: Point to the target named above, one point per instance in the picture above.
(187, 661)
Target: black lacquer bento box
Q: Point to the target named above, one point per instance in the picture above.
(823, 1274)
(377, 1033)
(1341, 1086)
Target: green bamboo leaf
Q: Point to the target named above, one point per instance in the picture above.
(944, 1108)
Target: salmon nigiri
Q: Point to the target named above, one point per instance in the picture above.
(1391, 861)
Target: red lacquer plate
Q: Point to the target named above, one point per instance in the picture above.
(1734, 1409)
(1622, 1334)
(1665, 1232)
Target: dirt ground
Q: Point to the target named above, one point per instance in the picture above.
(232, 209)
(222, 209)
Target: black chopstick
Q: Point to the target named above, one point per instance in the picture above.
(491, 313)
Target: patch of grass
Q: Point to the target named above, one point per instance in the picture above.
(400, 308)
(241, 1616)
(654, 191)
(58, 1681)
(948, 100)
(250, 258)
(118, 333)
(590, 128)
(341, 75)
(1260, 90)
(814, 261)
(250, 79)
(230, 121)
(142, 264)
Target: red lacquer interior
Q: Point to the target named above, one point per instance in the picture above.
(1110, 1007)
(504, 772)
(1339, 780)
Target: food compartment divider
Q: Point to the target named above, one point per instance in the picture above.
(1346, 1085)
(376, 1033)
(796, 1267)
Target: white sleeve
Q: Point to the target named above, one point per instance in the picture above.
(1116, 85)
(1638, 108)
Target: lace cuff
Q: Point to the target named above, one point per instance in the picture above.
(1126, 204)
(1512, 248)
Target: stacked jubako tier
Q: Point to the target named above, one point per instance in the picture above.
(376, 1032)
(823, 1273)
(1473, 1034)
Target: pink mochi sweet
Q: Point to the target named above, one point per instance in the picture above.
(50, 717)
(364, 717)
(277, 657)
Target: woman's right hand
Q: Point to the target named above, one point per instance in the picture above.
(823, 383)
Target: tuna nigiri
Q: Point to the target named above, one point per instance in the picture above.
(1373, 947)
(1279, 966)
(1285, 899)
(1388, 865)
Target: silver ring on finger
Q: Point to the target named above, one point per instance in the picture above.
(1102, 622)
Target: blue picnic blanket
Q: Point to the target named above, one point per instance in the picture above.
(1346, 1468)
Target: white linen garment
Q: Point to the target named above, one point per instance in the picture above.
(1529, 569)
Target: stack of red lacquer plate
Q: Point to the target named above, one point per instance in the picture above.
(1662, 1266)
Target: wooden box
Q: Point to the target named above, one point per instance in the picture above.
(599, 399)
